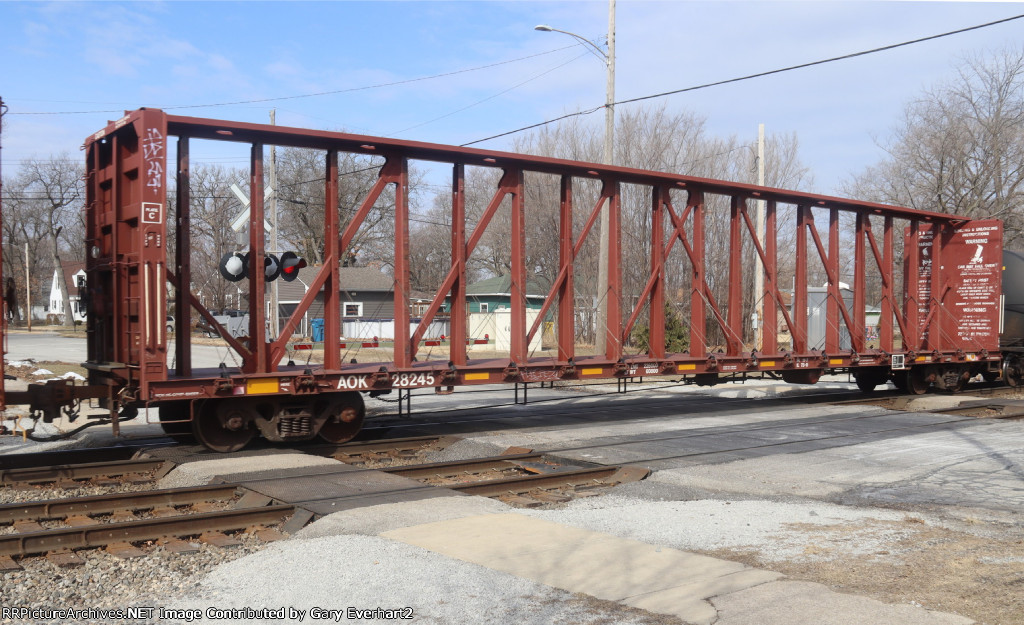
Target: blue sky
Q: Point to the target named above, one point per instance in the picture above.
(94, 57)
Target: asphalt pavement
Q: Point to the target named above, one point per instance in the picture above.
(46, 345)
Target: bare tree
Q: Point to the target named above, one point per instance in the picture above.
(659, 140)
(301, 190)
(646, 138)
(212, 207)
(960, 146)
(55, 189)
(23, 228)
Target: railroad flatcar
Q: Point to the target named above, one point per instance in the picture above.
(937, 281)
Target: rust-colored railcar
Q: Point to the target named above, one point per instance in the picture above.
(938, 314)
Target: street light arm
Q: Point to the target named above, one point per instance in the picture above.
(544, 28)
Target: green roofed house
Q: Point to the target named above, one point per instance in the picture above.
(496, 293)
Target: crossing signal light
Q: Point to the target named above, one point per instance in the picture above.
(271, 267)
(290, 265)
(234, 266)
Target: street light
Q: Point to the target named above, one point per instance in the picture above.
(609, 129)
(593, 49)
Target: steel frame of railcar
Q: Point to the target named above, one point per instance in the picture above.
(127, 258)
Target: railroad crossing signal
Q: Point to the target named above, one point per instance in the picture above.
(271, 267)
(290, 265)
(243, 217)
(234, 266)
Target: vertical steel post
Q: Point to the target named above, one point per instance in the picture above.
(183, 268)
(613, 344)
(3, 286)
(656, 307)
(115, 275)
(885, 330)
(566, 257)
(936, 328)
(457, 315)
(698, 308)
(860, 263)
(770, 313)
(734, 316)
(519, 349)
(147, 278)
(911, 288)
(799, 330)
(332, 285)
(832, 319)
(257, 285)
(402, 350)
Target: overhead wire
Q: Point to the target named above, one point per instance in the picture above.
(491, 97)
(749, 77)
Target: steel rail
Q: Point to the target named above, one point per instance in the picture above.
(517, 485)
(33, 475)
(410, 443)
(75, 456)
(146, 529)
(103, 504)
(458, 466)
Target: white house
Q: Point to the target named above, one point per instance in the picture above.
(74, 276)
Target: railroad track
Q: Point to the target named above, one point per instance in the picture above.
(138, 470)
(118, 522)
(131, 524)
(519, 477)
(522, 480)
(1005, 403)
(383, 452)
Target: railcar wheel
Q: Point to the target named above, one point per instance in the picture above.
(174, 420)
(345, 415)
(224, 426)
(1013, 375)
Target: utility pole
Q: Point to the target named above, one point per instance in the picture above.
(600, 342)
(28, 291)
(758, 267)
(274, 322)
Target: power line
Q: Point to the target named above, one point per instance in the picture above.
(321, 93)
(750, 76)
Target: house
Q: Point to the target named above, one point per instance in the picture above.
(74, 278)
(365, 291)
(490, 310)
(367, 303)
(496, 293)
